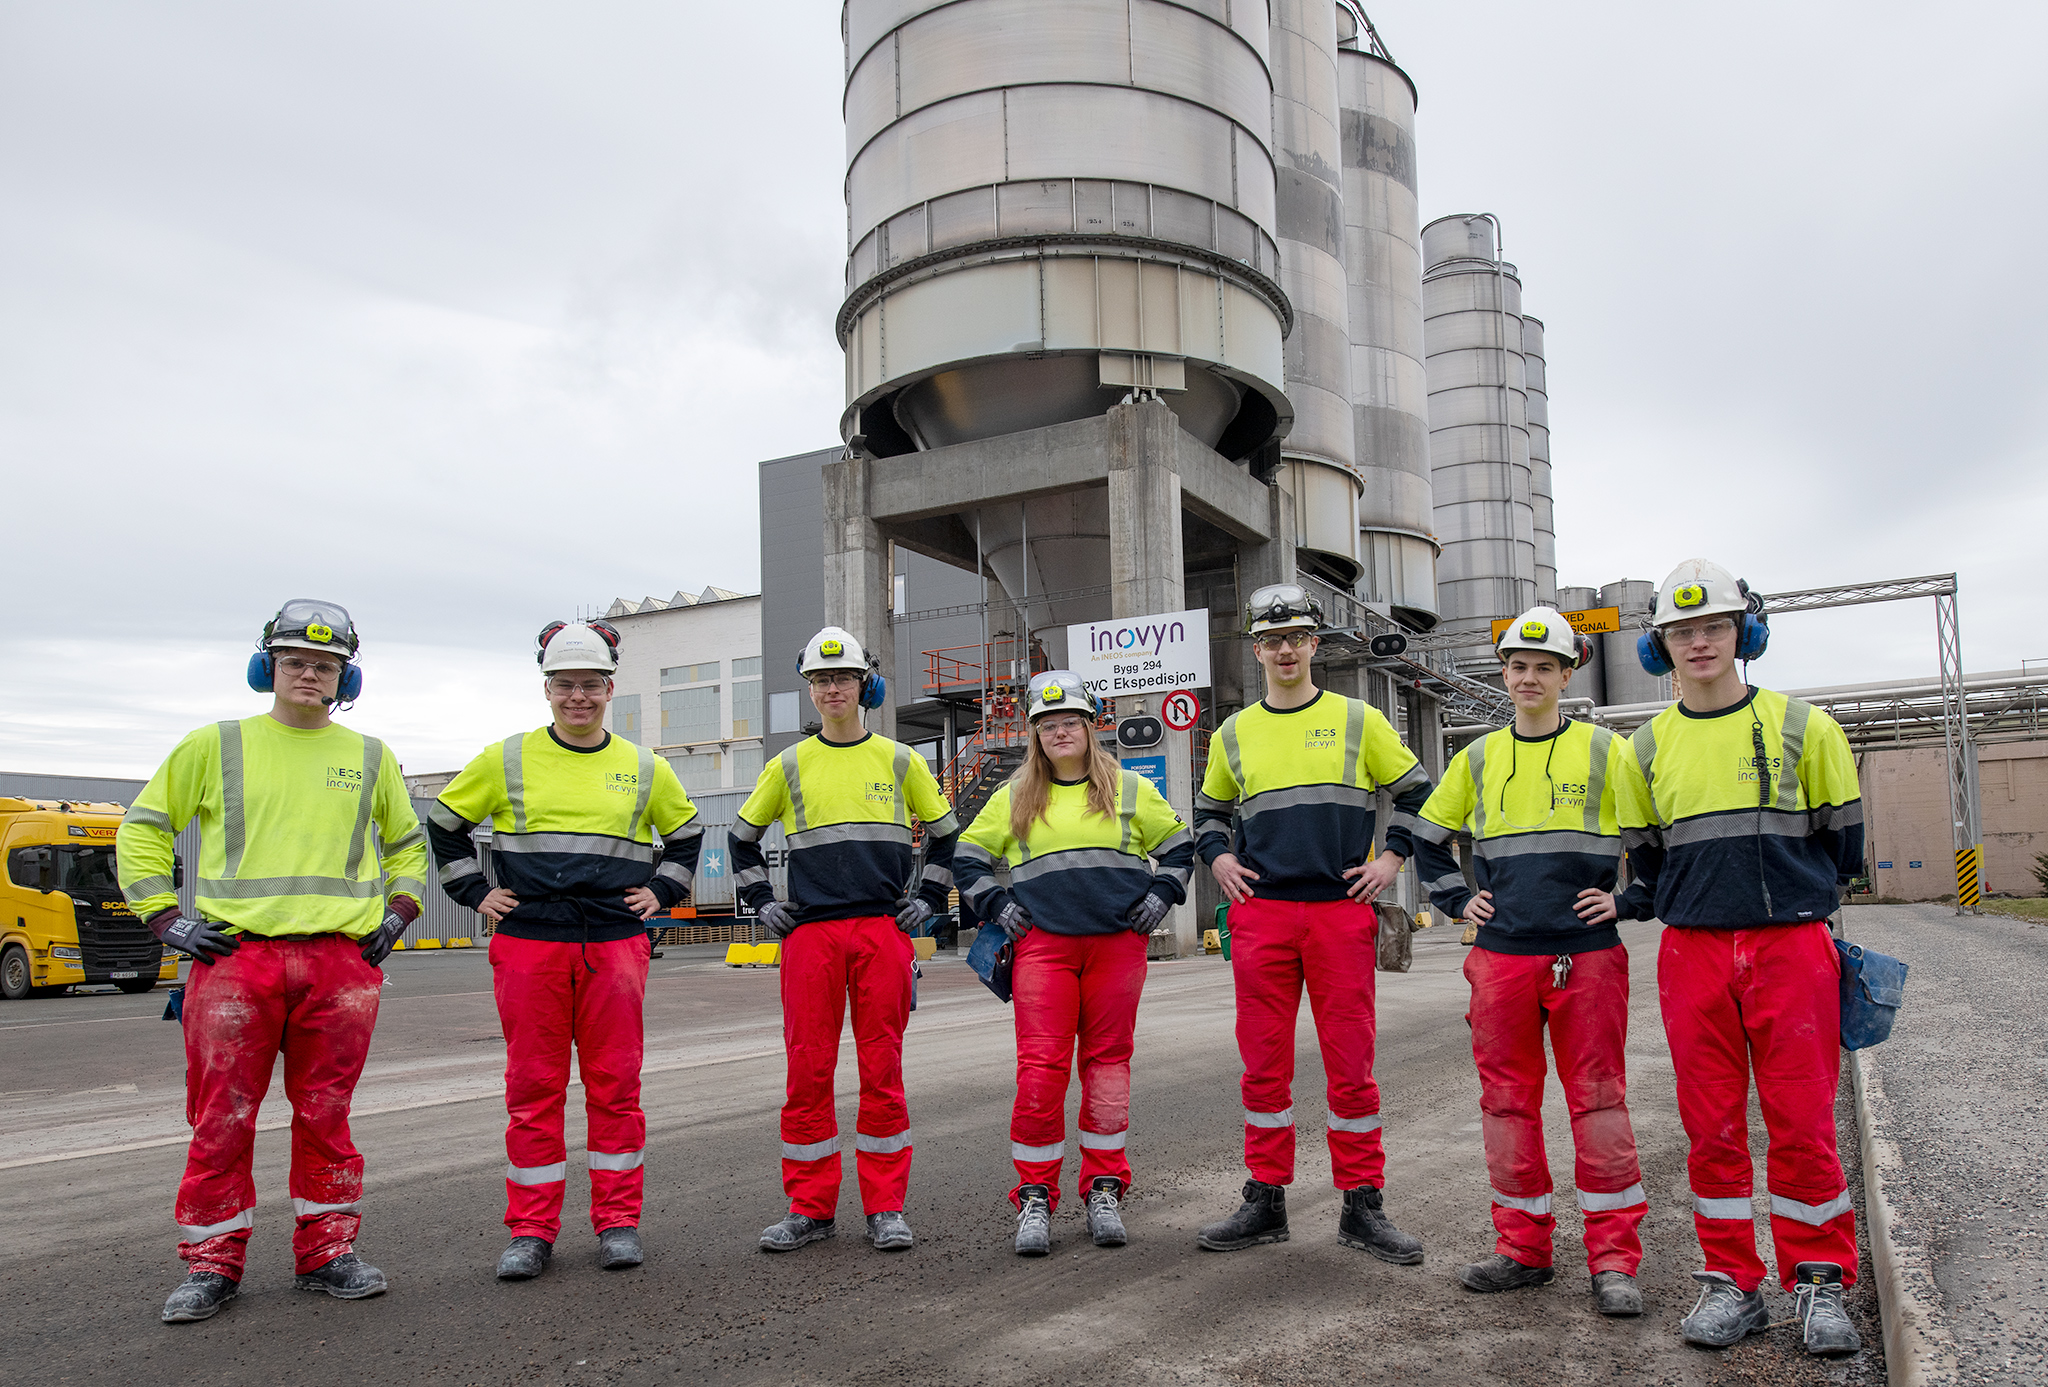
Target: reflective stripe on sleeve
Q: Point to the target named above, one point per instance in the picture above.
(199, 1233)
(1723, 1208)
(444, 817)
(1055, 1152)
(536, 1174)
(1416, 776)
(305, 1208)
(946, 826)
(1430, 831)
(412, 886)
(1815, 1214)
(1104, 1141)
(793, 781)
(1450, 881)
(675, 872)
(618, 1160)
(148, 886)
(938, 876)
(418, 835)
(1283, 1118)
(1594, 1202)
(1352, 1124)
(1539, 1205)
(148, 818)
(815, 1151)
(747, 832)
(882, 1146)
(458, 869)
(751, 876)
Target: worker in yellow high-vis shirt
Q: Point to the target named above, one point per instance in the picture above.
(296, 907)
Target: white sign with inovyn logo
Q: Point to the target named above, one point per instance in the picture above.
(1142, 654)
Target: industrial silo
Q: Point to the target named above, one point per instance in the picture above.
(1478, 426)
(1591, 680)
(1540, 494)
(1310, 221)
(1627, 682)
(1389, 385)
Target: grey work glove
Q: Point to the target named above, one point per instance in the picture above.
(779, 918)
(912, 917)
(1147, 913)
(377, 944)
(202, 939)
(1012, 921)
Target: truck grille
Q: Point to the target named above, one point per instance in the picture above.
(116, 943)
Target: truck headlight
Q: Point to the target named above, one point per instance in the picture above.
(60, 951)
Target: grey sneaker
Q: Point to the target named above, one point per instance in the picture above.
(1105, 1213)
(1616, 1293)
(199, 1297)
(1499, 1272)
(347, 1277)
(618, 1247)
(524, 1258)
(889, 1231)
(1034, 1221)
(795, 1231)
(1724, 1314)
(1818, 1291)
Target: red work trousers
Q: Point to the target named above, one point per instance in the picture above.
(1069, 988)
(548, 999)
(314, 1000)
(826, 963)
(1513, 998)
(1766, 1001)
(1277, 947)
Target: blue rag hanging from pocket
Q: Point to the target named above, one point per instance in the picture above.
(1873, 987)
(990, 959)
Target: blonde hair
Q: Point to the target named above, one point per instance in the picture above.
(1031, 786)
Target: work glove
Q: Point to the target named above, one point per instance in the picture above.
(202, 939)
(912, 917)
(377, 944)
(779, 918)
(1147, 913)
(1012, 921)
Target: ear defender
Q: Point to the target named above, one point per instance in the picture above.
(1753, 631)
(263, 672)
(1651, 653)
(874, 689)
(351, 686)
(1582, 650)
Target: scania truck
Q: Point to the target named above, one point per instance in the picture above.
(63, 922)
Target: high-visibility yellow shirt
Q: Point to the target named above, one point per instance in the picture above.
(1726, 844)
(285, 818)
(1541, 813)
(1302, 781)
(572, 830)
(845, 810)
(1076, 871)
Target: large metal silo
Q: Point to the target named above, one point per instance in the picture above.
(1051, 203)
(1478, 425)
(1389, 384)
(1541, 504)
(1307, 156)
(1590, 681)
(1626, 680)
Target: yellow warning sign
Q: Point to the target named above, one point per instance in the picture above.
(1967, 890)
(1595, 621)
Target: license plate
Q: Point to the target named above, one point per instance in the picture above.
(124, 975)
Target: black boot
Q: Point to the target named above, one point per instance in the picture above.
(199, 1297)
(1262, 1218)
(1363, 1225)
(524, 1258)
(1500, 1272)
(347, 1277)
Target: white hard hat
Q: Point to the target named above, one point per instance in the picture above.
(1282, 607)
(1699, 588)
(311, 624)
(578, 645)
(1058, 691)
(832, 648)
(1545, 629)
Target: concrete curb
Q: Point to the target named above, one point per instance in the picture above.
(1918, 1350)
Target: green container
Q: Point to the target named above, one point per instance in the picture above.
(1223, 929)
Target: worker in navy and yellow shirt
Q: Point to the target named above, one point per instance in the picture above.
(573, 813)
(845, 799)
(1538, 799)
(1743, 819)
(1074, 831)
(296, 905)
(1300, 770)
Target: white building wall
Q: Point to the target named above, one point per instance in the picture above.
(680, 639)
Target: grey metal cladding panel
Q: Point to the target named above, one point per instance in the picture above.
(1461, 369)
(1042, 205)
(869, 21)
(870, 100)
(1451, 293)
(1175, 50)
(1397, 500)
(1456, 444)
(1534, 368)
(1318, 353)
(1132, 134)
(1470, 483)
(1393, 440)
(941, 149)
(1469, 330)
(1366, 84)
(1310, 211)
(1008, 43)
(1392, 379)
(1192, 221)
(1377, 145)
(1237, 238)
(1539, 410)
(962, 218)
(1253, 21)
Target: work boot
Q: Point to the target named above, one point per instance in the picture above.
(1499, 1272)
(199, 1297)
(1034, 1221)
(1725, 1313)
(347, 1277)
(794, 1231)
(1616, 1293)
(1362, 1225)
(1105, 1212)
(1818, 1290)
(889, 1231)
(524, 1258)
(1262, 1218)
(618, 1247)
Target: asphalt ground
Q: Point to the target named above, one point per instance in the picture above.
(87, 1240)
(1959, 1103)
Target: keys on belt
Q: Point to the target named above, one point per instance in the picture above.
(1560, 970)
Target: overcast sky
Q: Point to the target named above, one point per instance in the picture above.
(473, 315)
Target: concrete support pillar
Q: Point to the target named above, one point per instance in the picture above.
(1260, 564)
(1147, 576)
(857, 577)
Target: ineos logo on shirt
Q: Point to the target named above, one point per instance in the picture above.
(1745, 767)
(881, 791)
(623, 782)
(1319, 737)
(344, 778)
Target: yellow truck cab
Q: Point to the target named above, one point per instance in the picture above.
(62, 918)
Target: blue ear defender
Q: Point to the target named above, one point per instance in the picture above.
(874, 689)
(262, 676)
(1752, 636)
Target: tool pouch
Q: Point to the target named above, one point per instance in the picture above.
(990, 957)
(1873, 986)
(1395, 952)
(174, 1005)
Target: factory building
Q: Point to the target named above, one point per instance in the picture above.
(689, 685)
